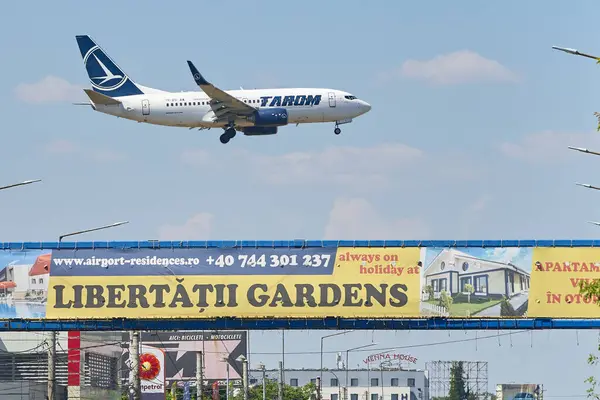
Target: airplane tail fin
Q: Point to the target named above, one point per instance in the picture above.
(106, 77)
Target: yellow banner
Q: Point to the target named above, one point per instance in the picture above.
(555, 277)
(365, 282)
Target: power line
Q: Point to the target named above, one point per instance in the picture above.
(395, 347)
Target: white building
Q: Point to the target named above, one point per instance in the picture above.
(356, 384)
(39, 276)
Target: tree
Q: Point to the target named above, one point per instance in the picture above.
(506, 309)
(591, 290)
(429, 291)
(272, 389)
(469, 289)
(445, 300)
(458, 390)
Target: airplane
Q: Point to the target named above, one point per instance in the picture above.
(253, 112)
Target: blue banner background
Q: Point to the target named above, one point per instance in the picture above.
(147, 262)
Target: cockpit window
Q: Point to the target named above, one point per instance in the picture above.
(350, 97)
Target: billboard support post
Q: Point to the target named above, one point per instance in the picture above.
(199, 378)
(135, 365)
(52, 366)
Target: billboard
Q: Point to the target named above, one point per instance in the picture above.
(297, 282)
(519, 391)
(221, 355)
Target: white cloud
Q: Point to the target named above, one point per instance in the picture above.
(198, 227)
(61, 146)
(108, 155)
(480, 203)
(456, 68)
(335, 165)
(356, 218)
(195, 157)
(547, 147)
(49, 89)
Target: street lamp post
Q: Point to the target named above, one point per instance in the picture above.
(60, 238)
(321, 371)
(226, 361)
(29, 182)
(348, 351)
(264, 380)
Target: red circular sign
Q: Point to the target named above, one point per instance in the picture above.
(149, 366)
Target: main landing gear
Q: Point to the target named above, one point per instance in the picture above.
(337, 130)
(227, 135)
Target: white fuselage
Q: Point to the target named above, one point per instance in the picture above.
(193, 109)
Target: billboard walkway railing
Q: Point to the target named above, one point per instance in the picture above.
(297, 284)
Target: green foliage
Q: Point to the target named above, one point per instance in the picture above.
(464, 298)
(272, 389)
(469, 288)
(506, 309)
(458, 390)
(429, 290)
(445, 299)
(591, 290)
(490, 396)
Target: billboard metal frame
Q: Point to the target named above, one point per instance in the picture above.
(155, 244)
(233, 323)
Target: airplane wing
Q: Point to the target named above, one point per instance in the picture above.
(223, 103)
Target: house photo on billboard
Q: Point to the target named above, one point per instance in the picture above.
(476, 282)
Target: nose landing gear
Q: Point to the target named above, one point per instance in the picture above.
(337, 130)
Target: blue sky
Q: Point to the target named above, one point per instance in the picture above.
(472, 113)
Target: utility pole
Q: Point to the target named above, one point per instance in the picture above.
(245, 376)
(282, 356)
(52, 366)
(323, 338)
(199, 377)
(319, 397)
(134, 351)
(264, 380)
(227, 395)
(280, 394)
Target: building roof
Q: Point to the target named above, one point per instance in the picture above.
(41, 265)
(338, 370)
(7, 285)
